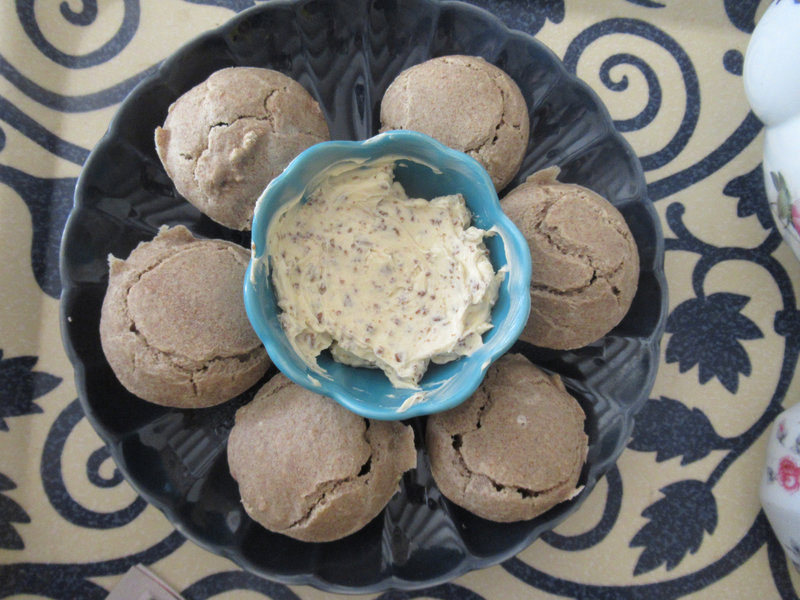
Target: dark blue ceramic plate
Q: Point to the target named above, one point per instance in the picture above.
(346, 52)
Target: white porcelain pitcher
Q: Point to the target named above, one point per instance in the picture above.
(780, 483)
(772, 84)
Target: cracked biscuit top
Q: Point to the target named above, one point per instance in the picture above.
(585, 263)
(467, 104)
(514, 449)
(225, 139)
(309, 468)
(173, 325)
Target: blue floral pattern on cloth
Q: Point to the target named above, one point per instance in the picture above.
(662, 525)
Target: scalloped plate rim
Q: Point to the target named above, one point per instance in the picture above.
(470, 562)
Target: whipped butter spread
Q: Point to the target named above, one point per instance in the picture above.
(380, 279)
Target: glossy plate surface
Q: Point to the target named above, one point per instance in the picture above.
(346, 53)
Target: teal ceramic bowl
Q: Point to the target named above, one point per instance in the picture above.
(426, 169)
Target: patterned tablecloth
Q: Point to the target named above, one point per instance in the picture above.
(678, 515)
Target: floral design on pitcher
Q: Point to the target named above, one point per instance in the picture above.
(788, 474)
(793, 551)
(780, 432)
(788, 208)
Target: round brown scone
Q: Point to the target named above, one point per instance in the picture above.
(225, 139)
(514, 449)
(311, 469)
(467, 104)
(173, 325)
(585, 261)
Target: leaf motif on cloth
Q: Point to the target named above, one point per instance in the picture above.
(20, 385)
(787, 324)
(749, 189)
(10, 512)
(669, 428)
(742, 14)
(677, 523)
(706, 332)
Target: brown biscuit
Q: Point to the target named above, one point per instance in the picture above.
(225, 139)
(585, 264)
(467, 104)
(309, 468)
(514, 449)
(173, 325)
